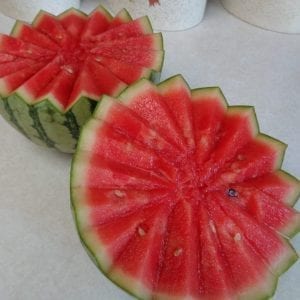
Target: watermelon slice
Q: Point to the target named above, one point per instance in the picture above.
(177, 195)
(54, 71)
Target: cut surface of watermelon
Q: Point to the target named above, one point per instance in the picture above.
(57, 62)
(177, 195)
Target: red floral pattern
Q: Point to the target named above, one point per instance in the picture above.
(153, 2)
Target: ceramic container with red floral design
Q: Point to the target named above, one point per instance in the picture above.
(164, 14)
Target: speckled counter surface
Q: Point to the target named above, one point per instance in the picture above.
(40, 254)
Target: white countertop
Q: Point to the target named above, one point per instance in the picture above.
(40, 254)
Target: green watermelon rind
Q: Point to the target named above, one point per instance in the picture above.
(124, 15)
(217, 92)
(44, 124)
(284, 264)
(103, 10)
(70, 10)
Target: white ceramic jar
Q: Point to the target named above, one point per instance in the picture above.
(27, 9)
(276, 15)
(164, 14)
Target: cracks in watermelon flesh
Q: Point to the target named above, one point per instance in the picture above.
(17, 47)
(279, 185)
(32, 88)
(236, 130)
(15, 65)
(117, 147)
(146, 58)
(104, 171)
(177, 95)
(93, 81)
(267, 210)
(135, 28)
(213, 269)
(217, 242)
(140, 259)
(144, 99)
(51, 26)
(247, 164)
(208, 111)
(178, 270)
(134, 128)
(240, 256)
(104, 205)
(126, 72)
(263, 240)
(60, 87)
(98, 22)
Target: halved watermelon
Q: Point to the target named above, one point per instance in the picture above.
(177, 195)
(53, 71)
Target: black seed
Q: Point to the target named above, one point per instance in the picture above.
(232, 193)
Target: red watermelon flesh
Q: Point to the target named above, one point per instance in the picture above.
(279, 185)
(29, 34)
(215, 281)
(15, 65)
(199, 192)
(11, 82)
(86, 52)
(97, 23)
(74, 22)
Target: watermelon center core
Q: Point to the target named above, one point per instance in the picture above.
(75, 54)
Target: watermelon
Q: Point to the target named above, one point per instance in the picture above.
(177, 195)
(54, 71)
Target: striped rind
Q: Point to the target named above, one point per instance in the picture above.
(44, 124)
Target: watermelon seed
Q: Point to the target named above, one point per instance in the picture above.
(178, 251)
(29, 51)
(237, 237)
(204, 141)
(119, 194)
(68, 69)
(141, 231)
(98, 59)
(241, 157)
(212, 226)
(232, 193)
